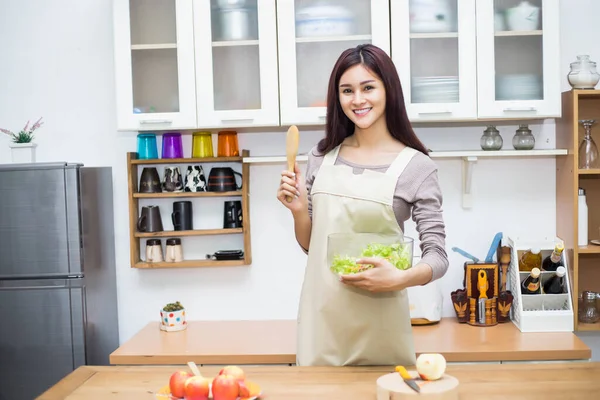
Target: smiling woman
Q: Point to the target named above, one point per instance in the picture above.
(366, 176)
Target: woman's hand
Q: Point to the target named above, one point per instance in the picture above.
(383, 277)
(292, 185)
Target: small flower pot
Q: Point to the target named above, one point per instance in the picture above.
(23, 152)
(172, 321)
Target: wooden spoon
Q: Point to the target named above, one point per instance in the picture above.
(291, 149)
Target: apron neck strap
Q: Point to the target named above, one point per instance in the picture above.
(330, 157)
(400, 162)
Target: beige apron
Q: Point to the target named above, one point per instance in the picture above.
(339, 324)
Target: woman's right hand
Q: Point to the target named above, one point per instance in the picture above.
(292, 186)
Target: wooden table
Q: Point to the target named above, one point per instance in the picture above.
(486, 381)
(274, 342)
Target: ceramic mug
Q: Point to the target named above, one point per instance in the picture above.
(173, 182)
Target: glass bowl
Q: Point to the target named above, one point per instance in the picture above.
(343, 249)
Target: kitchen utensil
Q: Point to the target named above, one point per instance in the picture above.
(504, 265)
(408, 379)
(222, 179)
(464, 253)
(583, 74)
(195, 181)
(291, 149)
(493, 248)
(172, 145)
(150, 181)
(149, 220)
(154, 250)
(226, 255)
(232, 214)
(174, 251)
(482, 286)
(182, 216)
(173, 182)
(146, 146)
(228, 144)
(393, 386)
(202, 145)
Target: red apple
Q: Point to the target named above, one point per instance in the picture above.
(234, 371)
(197, 388)
(177, 383)
(225, 387)
(244, 391)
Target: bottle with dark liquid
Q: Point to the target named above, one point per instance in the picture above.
(555, 285)
(531, 284)
(554, 260)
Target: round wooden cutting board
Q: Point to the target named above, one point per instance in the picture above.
(392, 387)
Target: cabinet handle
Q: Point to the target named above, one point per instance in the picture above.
(435, 112)
(156, 121)
(520, 109)
(237, 120)
(322, 117)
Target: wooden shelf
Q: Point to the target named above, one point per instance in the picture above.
(588, 327)
(186, 160)
(195, 232)
(589, 171)
(591, 249)
(185, 194)
(191, 264)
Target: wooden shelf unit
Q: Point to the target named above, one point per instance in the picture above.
(585, 260)
(134, 236)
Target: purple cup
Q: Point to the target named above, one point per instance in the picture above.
(172, 146)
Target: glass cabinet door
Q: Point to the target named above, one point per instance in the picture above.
(236, 63)
(433, 47)
(518, 59)
(154, 64)
(312, 35)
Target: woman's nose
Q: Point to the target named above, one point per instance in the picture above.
(358, 98)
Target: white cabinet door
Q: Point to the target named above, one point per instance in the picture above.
(236, 63)
(518, 64)
(434, 49)
(154, 64)
(312, 35)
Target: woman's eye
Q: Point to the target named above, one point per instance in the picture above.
(369, 87)
(346, 91)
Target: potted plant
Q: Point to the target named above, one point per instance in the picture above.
(22, 146)
(172, 317)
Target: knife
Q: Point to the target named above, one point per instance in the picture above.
(408, 379)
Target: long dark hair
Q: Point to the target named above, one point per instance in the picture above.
(338, 126)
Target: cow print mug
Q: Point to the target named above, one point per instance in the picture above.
(195, 181)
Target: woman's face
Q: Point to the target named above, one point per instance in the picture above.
(362, 96)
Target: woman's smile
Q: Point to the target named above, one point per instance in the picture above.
(362, 111)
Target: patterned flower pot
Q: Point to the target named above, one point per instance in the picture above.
(172, 321)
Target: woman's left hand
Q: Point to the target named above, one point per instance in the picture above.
(383, 277)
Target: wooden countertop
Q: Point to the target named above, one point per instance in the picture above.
(274, 342)
(486, 381)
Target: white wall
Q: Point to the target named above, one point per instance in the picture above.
(57, 62)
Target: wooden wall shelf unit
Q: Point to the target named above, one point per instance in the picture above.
(134, 211)
(585, 260)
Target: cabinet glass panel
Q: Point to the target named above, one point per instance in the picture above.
(518, 54)
(154, 56)
(236, 62)
(324, 29)
(434, 51)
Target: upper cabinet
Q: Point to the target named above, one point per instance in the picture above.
(434, 50)
(312, 35)
(154, 59)
(518, 60)
(236, 63)
(206, 64)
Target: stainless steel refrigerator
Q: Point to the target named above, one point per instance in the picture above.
(58, 295)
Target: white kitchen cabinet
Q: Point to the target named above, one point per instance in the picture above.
(518, 63)
(236, 63)
(434, 50)
(311, 36)
(154, 64)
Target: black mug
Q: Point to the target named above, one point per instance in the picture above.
(150, 220)
(232, 214)
(182, 216)
(150, 181)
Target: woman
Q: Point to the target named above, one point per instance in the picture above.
(365, 176)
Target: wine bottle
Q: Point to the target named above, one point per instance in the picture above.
(554, 260)
(555, 285)
(531, 284)
(530, 259)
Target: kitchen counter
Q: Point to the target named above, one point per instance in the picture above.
(487, 381)
(274, 342)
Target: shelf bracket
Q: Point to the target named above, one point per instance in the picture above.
(467, 174)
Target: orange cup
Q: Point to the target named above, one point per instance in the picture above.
(202, 145)
(228, 144)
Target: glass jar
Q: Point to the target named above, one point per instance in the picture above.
(583, 74)
(588, 151)
(491, 139)
(588, 312)
(523, 139)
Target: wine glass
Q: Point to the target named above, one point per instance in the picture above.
(588, 151)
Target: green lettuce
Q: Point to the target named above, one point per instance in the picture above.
(398, 254)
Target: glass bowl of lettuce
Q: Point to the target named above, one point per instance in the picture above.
(344, 249)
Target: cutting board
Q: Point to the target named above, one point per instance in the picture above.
(392, 387)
